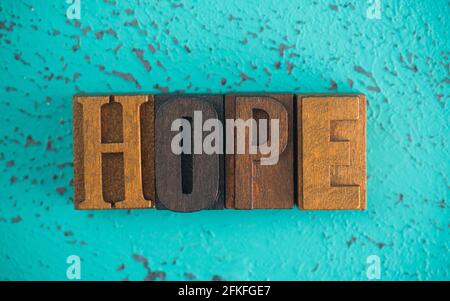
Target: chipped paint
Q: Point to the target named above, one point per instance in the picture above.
(400, 61)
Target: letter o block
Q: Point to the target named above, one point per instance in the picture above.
(192, 181)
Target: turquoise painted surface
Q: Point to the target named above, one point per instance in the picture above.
(400, 61)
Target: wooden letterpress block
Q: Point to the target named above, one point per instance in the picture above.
(251, 184)
(113, 152)
(331, 152)
(192, 179)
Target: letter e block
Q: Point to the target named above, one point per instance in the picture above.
(331, 152)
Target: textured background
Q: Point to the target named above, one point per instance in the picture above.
(400, 61)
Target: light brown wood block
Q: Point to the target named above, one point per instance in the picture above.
(114, 152)
(331, 152)
(249, 184)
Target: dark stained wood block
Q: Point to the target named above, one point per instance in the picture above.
(331, 152)
(114, 152)
(250, 185)
(187, 182)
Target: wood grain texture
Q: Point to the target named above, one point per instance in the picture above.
(203, 172)
(113, 152)
(332, 152)
(251, 185)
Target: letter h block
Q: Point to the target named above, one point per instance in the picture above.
(113, 152)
